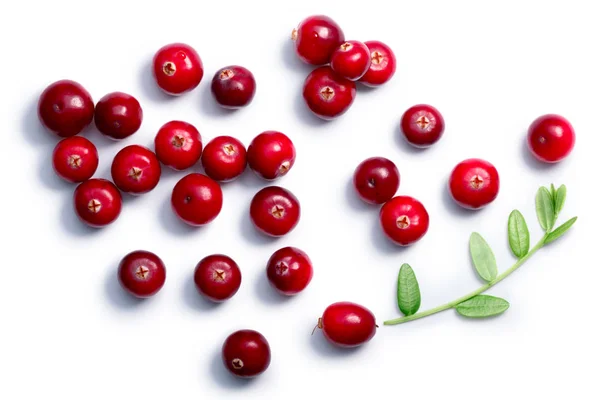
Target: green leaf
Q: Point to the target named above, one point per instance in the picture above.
(409, 294)
(483, 257)
(518, 234)
(552, 191)
(559, 199)
(482, 306)
(544, 206)
(561, 230)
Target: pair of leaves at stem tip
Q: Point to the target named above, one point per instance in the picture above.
(548, 204)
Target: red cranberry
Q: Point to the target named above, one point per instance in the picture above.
(197, 199)
(135, 169)
(217, 277)
(474, 183)
(271, 155)
(316, 38)
(347, 324)
(177, 68)
(422, 125)
(142, 273)
(97, 202)
(275, 211)
(328, 95)
(351, 60)
(289, 270)
(233, 87)
(178, 145)
(118, 115)
(376, 180)
(404, 220)
(551, 138)
(65, 108)
(224, 158)
(75, 159)
(383, 64)
(246, 353)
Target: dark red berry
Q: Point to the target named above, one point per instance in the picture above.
(118, 115)
(246, 353)
(327, 94)
(233, 87)
(289, 270)
(275, 211)
(383, 64)
(75, 159)
(97, 202)
(142, 273)
(224, 158)
(271, 155)
(65, 108)
(217, 277)
(177, 68)
(135, 169)
(197, 199)
(376, 180)
(178, 145)
(551, 138)
(351, 60)
(347, 324)
(316, 38)
(404, 220)
(422, 125)
(474, 183)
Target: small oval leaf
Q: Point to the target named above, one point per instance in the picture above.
(409, 294)
(483, 257)
(561, 230)
(544, 206)
(560, 198)
(482, 306)
(552, 191)
(518, 234)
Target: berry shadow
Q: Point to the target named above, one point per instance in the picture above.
(223, 377)
(250, 180)
(210, 107)
(33, 131)
(117, 296)
(292, 61)
(381, 242)
(148, 84)
(252, 234)
(323, 347)
(266, 293)
(530, 160)
(355, 202)
(171, 223)
(452, 206)
(305, 115)
(195, 300)
(71, 222)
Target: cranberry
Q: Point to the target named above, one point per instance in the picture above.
(118, 115)
(351, 60)
(289, 270)
(65, 108)
(404, 220)
(97, 202)
(75, 159)
(233, 87)
(422, 125)
(142, 273)
(178, 145)
(271, 155)
(376, 180)
(316, 38)
(177, 68)
(347, 324)
(224, 158)
(197, 199)
(217, 277)
(246, 353)
(474, 183)
(383, 64)
(275, 211)
(328, 95)
(135, 169)
(551, 138)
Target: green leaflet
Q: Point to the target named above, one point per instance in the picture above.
(518, 234)
(561, 230)
(482, 306)
(482, 257)
(544, 206)
(409, 294)
(559, 199)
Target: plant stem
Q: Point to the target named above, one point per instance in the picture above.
(474, 293)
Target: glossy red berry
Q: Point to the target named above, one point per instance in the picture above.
(97, 202)
(347, 324)
(246, 353)
(271, 155)
(383, 64)
(351, 60)
(178, 145)
(75, 159)
(197, 199)
(551, 138)
(422, 125)
(327, 94)
(217, 277)
(142, 273)
(65, 108)
(224, 158)
(135, 169)
(289, 270)
(404, 220)
(177, 68)
(233, 87)
(316, 38)
(275, 211)
(474, 183)
(118, 115)
(376, 180)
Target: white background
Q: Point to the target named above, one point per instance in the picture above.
(68, 331)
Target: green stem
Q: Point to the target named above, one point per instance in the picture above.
(474, 293)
